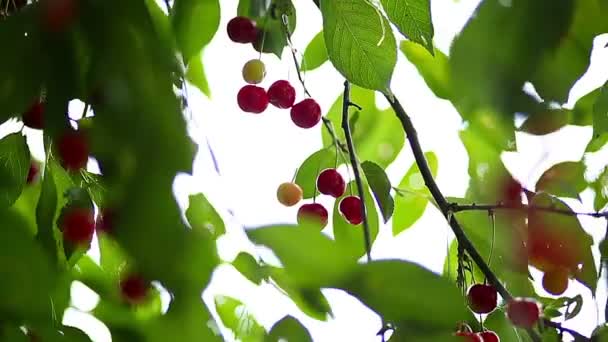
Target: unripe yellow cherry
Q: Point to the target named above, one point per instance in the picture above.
(254, 71)
(289, 194)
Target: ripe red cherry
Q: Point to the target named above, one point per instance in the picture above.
(489, 336)
(306, 114)
(105, 221)
(330, 182)
(242, 30)
(134, 288)
(282, 94)
(314, 214)
(482, 298)
(252, 99)
(33, 172)
(73, 149)
(77, 225)
(469, 336)
(58, 15)
(34, 116)
(350, 208)
(523, 312)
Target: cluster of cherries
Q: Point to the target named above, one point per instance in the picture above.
(254, 99)
(483, 299)
(329, 182)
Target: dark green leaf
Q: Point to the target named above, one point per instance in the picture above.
(288, 329)
(315, 54)
(600, 187)
(412, 196)
(248, 266)
(413, 18)
(195, 74)
(381, 188)
(272, 33)
(202, 216)
(252, 8)
(600, 115)
(237, 318)
(73, 334)
(195, 23)
(360, 43)
(574, 307)
(307, 174)
(14, 166)
(565, 179)
(434, 69)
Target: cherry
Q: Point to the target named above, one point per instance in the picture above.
(252, 99)
(134, 288)
(489, 336)
(289, 194)
(58, 15)
(469, 336)
(556, 281)
(105, 221)
(78, 225)
(282, 94)
(73, 149)
(33, 172)
(254, 71)
(523, 312)
(306, 114)
(482, 298)
(330, 182)
(34, 116)
(511, 192)
(313, 213)
(242, 30)
(350, 208)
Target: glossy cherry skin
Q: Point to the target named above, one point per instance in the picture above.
(282, 94)
(306, 113)
(252, 99)
(482, 298)
(73, 148)
(34, 116)
(314, 214)
(523, 312)
(78, 225)
(134, 288)
(33, 172)
(289, 194)
(242, 30)
(556, 281)
(330, 182)
(469, 336)
(489, 336)
(350, 208)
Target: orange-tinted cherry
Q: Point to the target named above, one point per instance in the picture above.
(523, 312)
(482, 298)
(282, 94)
(34, 116)
(78, 225)
(306, 113)
(555, 281)
(330, 182)
(252, 99)
(242, 30)
(350, 208)
(289, 194)
(134, 288)
(73, 148)
(314, 214)
(489, 336)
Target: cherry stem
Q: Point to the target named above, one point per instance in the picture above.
(285, 26)
(524, 207)
(346, 104)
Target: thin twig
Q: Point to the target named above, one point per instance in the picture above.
(578, 337)
(523, 207)
(285, 26)
(346, 104)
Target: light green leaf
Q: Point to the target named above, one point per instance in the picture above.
(497, 321)
(235, 317)
(565, 179)
(248, 266)
(413, 18)
(271, 26)
(288, 329)
(195, 23)
(381, 188)
(195, 74)
(307, 174)
(360, 42)
(433, 68)
(315, 54)
(203, 216)
(14, 166)
(600, 186)
(412, 196)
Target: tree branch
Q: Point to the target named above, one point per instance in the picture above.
(346, 104)
(578, 337)
(455, 207)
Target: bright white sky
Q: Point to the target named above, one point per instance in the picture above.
(258, 152)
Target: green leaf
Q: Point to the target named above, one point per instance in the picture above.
(248, 266)
(574, 306)
(360, 43)
(202, 216)
(74, 334)
(195, 23)
(433, 67)
(497, 322)
(565, 179)
(14, 166)
(315, 54)
(288, 329)
(349, 236)
(600, 187)
(293, 246)
(412, 196)
(252, 8)
(235, 317)
(413, 18)
(600, 114)
(272, 33)
(392, 288)
(377, 134)
(381, 188)
(307, 174)
(195, 74)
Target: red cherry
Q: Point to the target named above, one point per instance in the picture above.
(330, 182)
(469, 336)
(306, 114)
(58, 15)
(242, 30)
(134, 288)
(33, 172)
(489, 336)
(523, 312)
(105, 221)
(282, 94)
(252, 99)
(313, 213)
(78, 225)
(511, 192)
(350, 207)
(34, 116)
(73, 149)
(482, 298)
